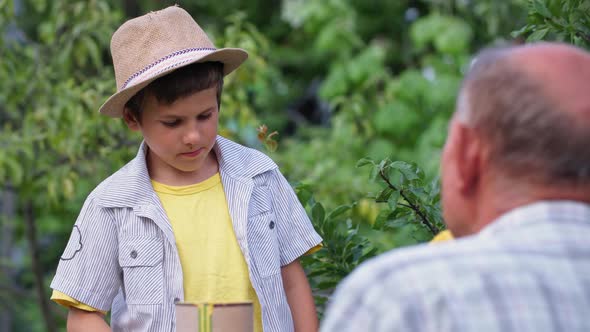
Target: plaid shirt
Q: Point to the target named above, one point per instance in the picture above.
(122, 252)
(527, 271)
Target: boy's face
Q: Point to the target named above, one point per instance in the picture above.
(180, 137)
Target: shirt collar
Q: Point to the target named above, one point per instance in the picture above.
(131, 185)
(240, 162)
(556, 211)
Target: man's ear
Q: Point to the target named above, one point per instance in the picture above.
(130, 120)
(469, 159)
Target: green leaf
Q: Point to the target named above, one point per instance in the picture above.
(398, 223)
(374, 173)
(537, 35)
(384, 195)
(393, 198)
(406, 169)
(15, 171)
(93, 51)
(304, 194)
(318, 213)
(541, 8)
(525, 29)
(339, 211)
(327, 284)
(365, 161)
(381, 218)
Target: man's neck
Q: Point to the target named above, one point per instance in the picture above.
(502, 198)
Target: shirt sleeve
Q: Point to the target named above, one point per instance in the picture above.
(70, 302)
(88, 270)
(296, 235)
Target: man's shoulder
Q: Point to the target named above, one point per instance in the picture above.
(460, 266)
(469, 282)
(401, 278)
(428, 266)
(424, 255)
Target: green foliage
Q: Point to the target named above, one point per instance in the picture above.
(254, 89)
(412, 204)
(43, 134)
(449, 35)
(567, 21)
(344, 248)
(411, 215)
(378, 114)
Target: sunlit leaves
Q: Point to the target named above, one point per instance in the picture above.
(53, 138)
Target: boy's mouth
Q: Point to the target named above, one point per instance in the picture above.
(193, 153)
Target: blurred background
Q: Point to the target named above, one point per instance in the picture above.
(338, 80)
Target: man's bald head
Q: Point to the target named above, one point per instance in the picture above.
(565, 71)
(530, 103)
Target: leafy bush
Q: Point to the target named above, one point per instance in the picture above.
(566, 21)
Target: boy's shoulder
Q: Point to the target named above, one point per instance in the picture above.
(119, 184)
(240, 160)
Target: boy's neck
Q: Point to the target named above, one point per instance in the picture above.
(168, 175)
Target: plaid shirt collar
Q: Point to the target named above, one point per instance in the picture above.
(549, 211)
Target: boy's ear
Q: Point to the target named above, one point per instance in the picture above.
(130, 120)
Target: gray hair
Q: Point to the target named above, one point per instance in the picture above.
(530, 136)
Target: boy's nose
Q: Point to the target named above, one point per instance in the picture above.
(191, 137)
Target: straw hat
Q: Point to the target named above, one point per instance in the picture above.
(155, 44)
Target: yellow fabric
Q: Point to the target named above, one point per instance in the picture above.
(445, 235)
(68, 301)
(314, 249)
(213, 266)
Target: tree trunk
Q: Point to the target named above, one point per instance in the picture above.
(42, 299)
(7, 238)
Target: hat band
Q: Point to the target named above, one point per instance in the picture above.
(170, 61)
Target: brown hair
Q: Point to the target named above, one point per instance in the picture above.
(178, 84)
(529, 134)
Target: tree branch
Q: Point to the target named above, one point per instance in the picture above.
(433, 229)
(7, 224)
(31, 231)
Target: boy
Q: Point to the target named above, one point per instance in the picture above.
(194, 217)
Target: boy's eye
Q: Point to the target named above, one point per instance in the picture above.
(171, 123)
(204, 116)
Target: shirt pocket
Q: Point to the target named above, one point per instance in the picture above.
(263, 243)
(141, 261)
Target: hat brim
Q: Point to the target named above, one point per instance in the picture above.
(231, 58)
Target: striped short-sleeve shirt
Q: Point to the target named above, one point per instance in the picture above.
(121, 255)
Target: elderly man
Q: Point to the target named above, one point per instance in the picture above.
(516, 192)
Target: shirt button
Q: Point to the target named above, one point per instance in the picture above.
(133, 254)
(271, 225)
(176, 300)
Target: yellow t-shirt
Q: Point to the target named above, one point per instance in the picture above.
(213, 266)
(445, 235)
